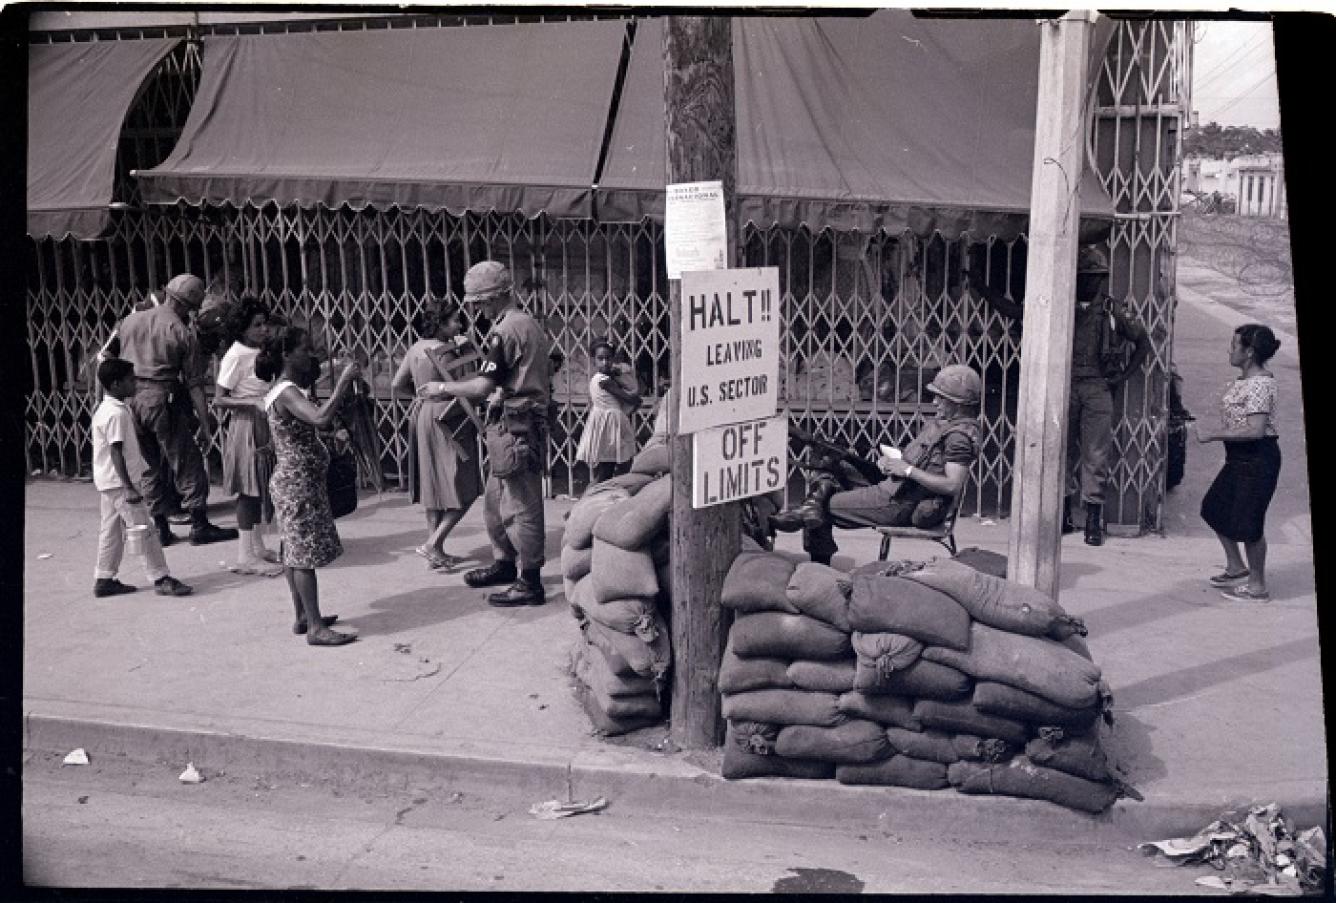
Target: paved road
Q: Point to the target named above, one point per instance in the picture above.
(126, 824)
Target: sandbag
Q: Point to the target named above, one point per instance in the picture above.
(900, 605)
(591, 667)
(879, 655)
(963, 718)
(784, 707)
(737, 674)
(758, 581)
(897, 771)
(637, 617)
(1009, 702)
(753, 736)
(579, 530)
(999, 603)
(630, 655)
(575, 563)
(632, 522)
(926, 680)
(1021, 777)
(623, 485)
(1042, 666)
(773, 634)
(940, 746)
(835, 676)
(1081, 756)
(855, 741)
(610, 725)
(821, 592)
(739, 763)
(891, 711)
(568, 588)
(983, 561)
(1077, 644)
(617, 573)
(653, 460)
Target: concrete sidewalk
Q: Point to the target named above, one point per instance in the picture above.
(1217, 703)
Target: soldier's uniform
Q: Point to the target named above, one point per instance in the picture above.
(168, 364)
(1099, 327)
(516, 355)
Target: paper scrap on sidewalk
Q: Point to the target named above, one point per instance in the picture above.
(191, 775)
(557, 809)
(76, 757)
(44, 556)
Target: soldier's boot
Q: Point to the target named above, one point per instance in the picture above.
(165, 535)
(527, 590)
(1094, 528)
(202, 532)
(811, 514)
(498, 573)
(1067, 525)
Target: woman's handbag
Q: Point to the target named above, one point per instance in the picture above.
(341, 479)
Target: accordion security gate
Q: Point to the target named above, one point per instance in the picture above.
(868, 318)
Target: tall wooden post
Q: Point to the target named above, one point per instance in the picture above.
(701, 136)
(1034, 552)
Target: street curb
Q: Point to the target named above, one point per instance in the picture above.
(648, 784)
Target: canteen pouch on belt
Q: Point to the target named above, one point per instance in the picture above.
(511, 441)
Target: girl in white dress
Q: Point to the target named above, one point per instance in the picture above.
(609, 440)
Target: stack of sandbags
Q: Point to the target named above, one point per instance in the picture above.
(614, 565)
(950, 677)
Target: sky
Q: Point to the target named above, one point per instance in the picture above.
(1234, 74)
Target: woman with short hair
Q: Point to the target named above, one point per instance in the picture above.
(1235, 505)
(248, 459)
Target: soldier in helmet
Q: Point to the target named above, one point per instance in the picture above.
(1108, 345)
(922, 484)
(168, 404)
(515, 377)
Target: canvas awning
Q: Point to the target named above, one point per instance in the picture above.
(78, 96)
(885, 121)
(507, 118)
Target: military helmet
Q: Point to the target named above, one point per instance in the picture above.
(1092, 260)
(186, 288)
(486, 280)
(957, 383)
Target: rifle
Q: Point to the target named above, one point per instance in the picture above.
(867, 469)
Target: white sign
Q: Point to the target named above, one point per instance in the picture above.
(730, 347)
(694, 234)
(739, 460)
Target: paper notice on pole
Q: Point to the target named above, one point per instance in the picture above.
(739, 461)
(694, 233)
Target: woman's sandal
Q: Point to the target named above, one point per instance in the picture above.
(1225, 578)
(1246, 593)
(326, 637)
(450, 562)
(256, 569)
(435, 559)
(299, 627)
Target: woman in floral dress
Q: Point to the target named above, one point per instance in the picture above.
(297, 487)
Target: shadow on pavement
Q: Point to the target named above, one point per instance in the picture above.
(1128, 744)
(409, 611)
(1179, 684)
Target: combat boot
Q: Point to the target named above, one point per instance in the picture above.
(202, 532)
(528, 590)
(1094, 528)
(498, 573)
(165, 535)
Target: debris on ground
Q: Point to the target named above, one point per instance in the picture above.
(191, 775)
(44, 556)
(1260, 854)
(76, 757)
(557, 809)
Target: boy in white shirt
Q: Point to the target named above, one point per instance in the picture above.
(115, 453)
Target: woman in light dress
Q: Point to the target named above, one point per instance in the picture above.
(609, 440)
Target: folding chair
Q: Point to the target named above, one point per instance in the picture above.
(944, 533)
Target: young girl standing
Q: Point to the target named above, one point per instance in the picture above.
(609, 440)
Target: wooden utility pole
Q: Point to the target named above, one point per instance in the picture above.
(701, 136)
(1034, 550)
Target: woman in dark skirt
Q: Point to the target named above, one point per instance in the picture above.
(1235, 505)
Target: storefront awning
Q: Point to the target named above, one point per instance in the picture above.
(880, 122)
(78, 95)
(506, 118)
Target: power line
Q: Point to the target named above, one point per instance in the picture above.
(1222, 67)
(1244, 96)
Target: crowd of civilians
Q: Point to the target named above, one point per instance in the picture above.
(275, 456)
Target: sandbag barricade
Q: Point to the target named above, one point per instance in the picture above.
(902, 674)
(614, 573)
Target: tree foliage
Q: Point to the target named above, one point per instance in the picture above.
(1217, 141)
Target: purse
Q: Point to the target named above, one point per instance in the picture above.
(341, 480)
